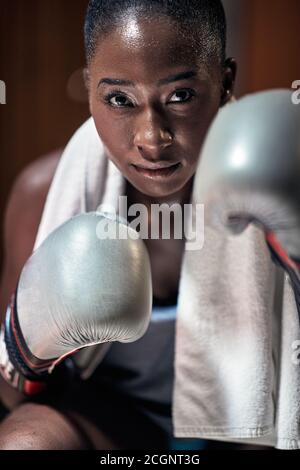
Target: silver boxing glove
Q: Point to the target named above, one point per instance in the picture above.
(88, 283)
(249, 172)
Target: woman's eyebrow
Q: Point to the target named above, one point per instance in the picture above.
(163, 81)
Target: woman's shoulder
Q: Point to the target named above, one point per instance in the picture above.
(27, 197)
(37, 176)
(23, 213)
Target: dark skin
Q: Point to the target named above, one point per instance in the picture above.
(153, 128)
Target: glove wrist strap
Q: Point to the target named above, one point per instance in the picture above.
(14, 366)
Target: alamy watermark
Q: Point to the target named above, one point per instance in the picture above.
(296, 352)
(167, 222)
(2, 92)
(296, 94)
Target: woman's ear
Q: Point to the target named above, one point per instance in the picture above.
(228, 80)
(86, 78)
(87, 83)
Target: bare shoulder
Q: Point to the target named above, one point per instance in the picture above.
(23, 213)
(35, 179)
(28, 194)
(27, 198)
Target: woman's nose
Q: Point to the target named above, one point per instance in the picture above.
(153, 143)
(153, 135)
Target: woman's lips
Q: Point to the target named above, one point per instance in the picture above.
(158, 174)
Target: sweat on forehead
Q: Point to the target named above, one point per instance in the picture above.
(143, 46)
(201, 22)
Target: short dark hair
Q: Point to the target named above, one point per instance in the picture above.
(202, 20)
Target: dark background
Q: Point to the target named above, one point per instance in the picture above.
(41, 54)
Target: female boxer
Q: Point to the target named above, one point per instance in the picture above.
(157, 74)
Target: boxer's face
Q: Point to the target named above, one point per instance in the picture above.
(158, 118)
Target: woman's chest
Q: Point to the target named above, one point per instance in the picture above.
(166, 260)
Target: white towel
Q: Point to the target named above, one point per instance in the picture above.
(237, 330)
(237, 322)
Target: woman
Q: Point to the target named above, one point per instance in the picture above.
(156, 75)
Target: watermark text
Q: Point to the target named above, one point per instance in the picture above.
(296, 94)
(2, 92)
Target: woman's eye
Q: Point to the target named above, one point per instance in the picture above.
(184, 96)
(118, 101)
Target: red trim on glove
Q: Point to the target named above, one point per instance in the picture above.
(280, 251)
(33, 388)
